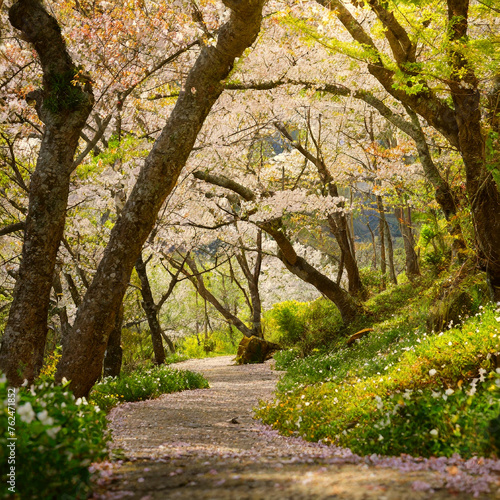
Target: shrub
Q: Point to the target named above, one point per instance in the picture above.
(57, 439)
(285, 358)
(306, 326)
(218, 343)
(372, 279)
(142, 385)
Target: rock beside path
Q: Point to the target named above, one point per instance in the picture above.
(255, 350)
(204, 444)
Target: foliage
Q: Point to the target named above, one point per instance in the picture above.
(57, 439)
(142, 385)
(50, 365)
(65, 92)
(305, 326)
(217, 343)
(428, 422)
(372, 279)
(398, 390)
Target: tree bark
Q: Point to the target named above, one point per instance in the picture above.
(63, 107)
(443, 192)
(482, 190)
(411, 261)
(252, 278)
(346, 304)
(390, 253)
(114, 352)
(83, 352)
(381, 235)
(148, 304)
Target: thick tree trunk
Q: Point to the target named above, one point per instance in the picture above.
(411, 261)
(83, 352)
(481, 187)
(148, 304)
(114, 352)
(63, 107)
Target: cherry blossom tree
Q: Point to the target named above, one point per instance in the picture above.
(156, 180)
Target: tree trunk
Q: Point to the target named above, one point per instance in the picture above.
(460, 124)
(346, 304)
(338, 223)
(23, 343)
(339, 226)
(114, 352)
(381, 235)
(374, 246)
(83, 352)
(61, 310)
(443, 192)
(411, 260)
(253, 285)
(149, 306)
(481, 187)
(390, 253)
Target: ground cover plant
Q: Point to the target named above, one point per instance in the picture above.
(144, 384)
(402, 388)
(57, 438)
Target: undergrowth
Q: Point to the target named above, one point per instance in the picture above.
(216, 343)
(401, 388)
(141, 385)
(48, 439)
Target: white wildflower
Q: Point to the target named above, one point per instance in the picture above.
(43, 416)
(52, 432)
(26, 413)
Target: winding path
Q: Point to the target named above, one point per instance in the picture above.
(204, 444)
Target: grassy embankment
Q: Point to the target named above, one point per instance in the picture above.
(402, 388)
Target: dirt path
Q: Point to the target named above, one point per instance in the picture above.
(204, 444)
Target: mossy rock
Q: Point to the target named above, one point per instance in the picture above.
(255, 350)
(451, 308)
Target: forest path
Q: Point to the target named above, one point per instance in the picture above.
(204, 444)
